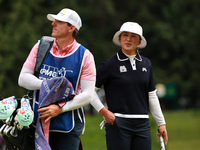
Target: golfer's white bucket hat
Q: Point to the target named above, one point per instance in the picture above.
(67, 15)
(130, 27)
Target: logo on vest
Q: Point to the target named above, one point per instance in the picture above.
(50, 71)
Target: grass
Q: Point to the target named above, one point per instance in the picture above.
(183, 130)
(94, 137)
(182, 126)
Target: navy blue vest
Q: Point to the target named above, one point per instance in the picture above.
(69, 66)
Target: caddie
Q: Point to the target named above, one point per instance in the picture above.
(66, 58)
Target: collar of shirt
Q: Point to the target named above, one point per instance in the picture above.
(132, 60)
(123, 57)
(130, 56)
(62, 52)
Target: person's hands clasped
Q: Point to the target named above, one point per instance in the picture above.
(163, 133)
(49, 111)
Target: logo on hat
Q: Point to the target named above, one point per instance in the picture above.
(63, 11)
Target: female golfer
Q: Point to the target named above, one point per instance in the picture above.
(130, 93)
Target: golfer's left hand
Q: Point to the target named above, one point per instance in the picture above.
(49, 112)
(163, 133)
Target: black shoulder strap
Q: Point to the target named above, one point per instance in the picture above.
(45, 45)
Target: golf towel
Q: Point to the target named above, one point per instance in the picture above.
(52, 90)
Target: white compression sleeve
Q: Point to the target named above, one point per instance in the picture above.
(28, 80)
(96, 103)
(84, 98)
(155, 109)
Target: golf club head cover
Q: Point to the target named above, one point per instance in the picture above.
(25, 114)
(7, 107)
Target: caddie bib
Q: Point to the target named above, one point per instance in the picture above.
(69, 66)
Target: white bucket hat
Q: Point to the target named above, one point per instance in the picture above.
(67, 15)
(130, 27)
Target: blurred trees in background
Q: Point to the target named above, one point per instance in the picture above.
(171, 28)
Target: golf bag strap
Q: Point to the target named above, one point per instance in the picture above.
(46, 42)
(45, 45)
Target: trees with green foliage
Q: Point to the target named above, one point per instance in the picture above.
(171, 28)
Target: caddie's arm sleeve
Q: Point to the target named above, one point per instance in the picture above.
(84, 98)
(155, 109)
(28, 80)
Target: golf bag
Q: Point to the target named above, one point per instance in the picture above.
(18, 133)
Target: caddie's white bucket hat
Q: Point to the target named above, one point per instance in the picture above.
(130, 27)
(67, 15)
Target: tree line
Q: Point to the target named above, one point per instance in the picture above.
(171, 28)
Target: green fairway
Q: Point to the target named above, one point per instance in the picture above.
(183, 131)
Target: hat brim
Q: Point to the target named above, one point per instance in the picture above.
(117, 42)
(53, 17)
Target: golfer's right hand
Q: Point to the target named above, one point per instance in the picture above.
(108, 116)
